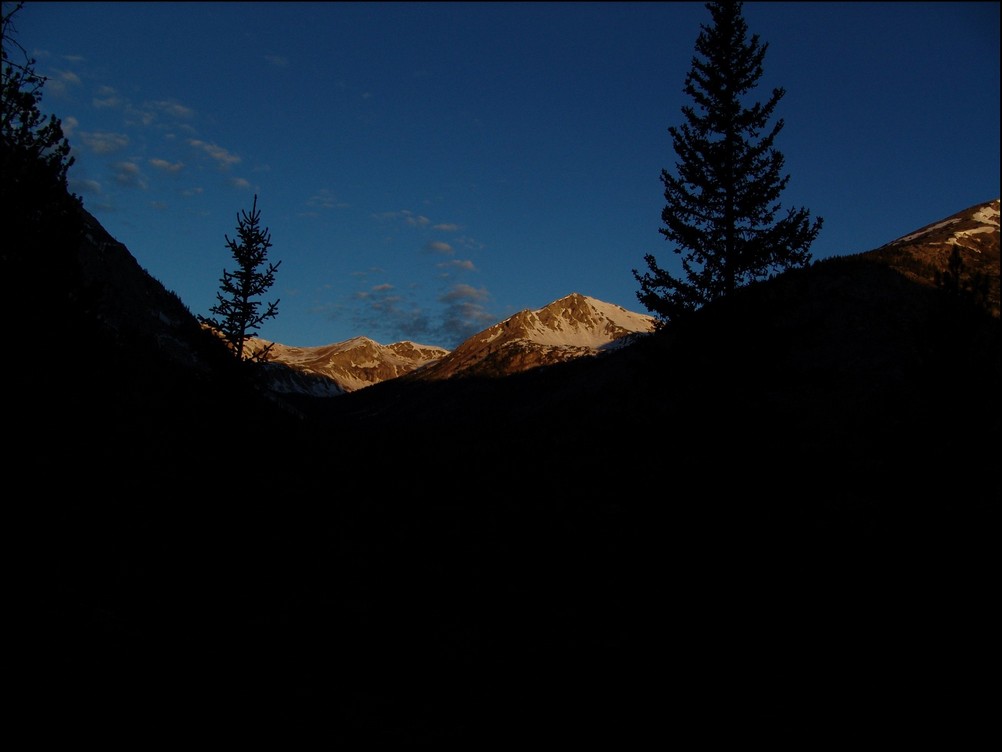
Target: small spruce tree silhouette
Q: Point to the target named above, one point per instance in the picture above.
(237, 314)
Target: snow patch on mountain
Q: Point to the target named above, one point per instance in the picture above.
(572, 327)
(987, 215)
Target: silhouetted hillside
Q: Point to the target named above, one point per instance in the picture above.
(776, 513)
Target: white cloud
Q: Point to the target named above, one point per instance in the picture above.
(59, 83)
(104, 143)
(163, 164)
(106, 102)
(463, 292)
(129, 175)
(85, 187)
(218, 153)
(172, 108)
(437, 246)
(69, 77)
(464, 264)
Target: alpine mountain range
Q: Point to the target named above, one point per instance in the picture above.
(572, 327)
(580, 326)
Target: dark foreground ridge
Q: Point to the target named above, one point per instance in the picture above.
(770, 522)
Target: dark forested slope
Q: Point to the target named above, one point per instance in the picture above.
(750, 524)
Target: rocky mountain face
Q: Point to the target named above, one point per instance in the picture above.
(572, 327)
(925, 253)
(353, 364)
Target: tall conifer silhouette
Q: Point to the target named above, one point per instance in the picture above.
(724, 198)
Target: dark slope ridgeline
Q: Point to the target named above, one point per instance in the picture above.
(764, 513)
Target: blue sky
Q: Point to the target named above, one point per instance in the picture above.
(429, 169)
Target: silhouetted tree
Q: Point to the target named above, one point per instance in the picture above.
(958, 286)
(722, 205)
(41, 217)
(237, 306)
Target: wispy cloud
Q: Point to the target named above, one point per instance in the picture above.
(148, 113)
(391, 316)
(163, 164)
(277, 60)
(240, 183)
(172, 108)
(324, 199)
(407, 216)
(60, 81)
(367, 272)
(222, 157)
(463, 292)
(106, 103)
(104, 143)
(470, 244)
(437, 246)
(129, 175)
(446, 227)
(135, 115)
(85, 187)
(106, 97)
(465, 312)
(463, 264)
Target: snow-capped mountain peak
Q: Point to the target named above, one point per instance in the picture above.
(572, 321)
(570, 327)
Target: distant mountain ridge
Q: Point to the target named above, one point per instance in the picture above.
(353, 364)
(572, 327)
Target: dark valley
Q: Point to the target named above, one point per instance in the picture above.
(778, 513)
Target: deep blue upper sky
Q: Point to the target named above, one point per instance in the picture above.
(427, 169)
